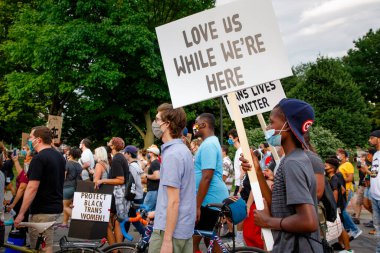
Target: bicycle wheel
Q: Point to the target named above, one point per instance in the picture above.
(124, 247)
(80, 250)
(248, 250)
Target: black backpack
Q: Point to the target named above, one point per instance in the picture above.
(329, 202)
(130, 187)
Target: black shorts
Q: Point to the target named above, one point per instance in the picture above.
(208, 219)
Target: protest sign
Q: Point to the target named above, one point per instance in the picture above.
(55, 125)
(91, 206)
(91, 211)
(221, 50)
(24, 139)
(257, 99)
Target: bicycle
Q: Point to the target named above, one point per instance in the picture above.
(142, 245)
(64, 244)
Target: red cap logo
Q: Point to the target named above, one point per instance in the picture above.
(306, 125)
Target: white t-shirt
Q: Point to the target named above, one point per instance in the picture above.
(375, 178)
(87, 156)
(237, 164)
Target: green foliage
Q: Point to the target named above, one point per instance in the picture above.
(97, 63)
(255, 136)
(363, 62)
(336, 98)
(324, 141)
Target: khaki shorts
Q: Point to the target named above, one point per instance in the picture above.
(179, 245)
(48, 233)
(360, 195)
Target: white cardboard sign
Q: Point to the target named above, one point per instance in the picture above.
(221, 50)
(91, 206)
(257, 99)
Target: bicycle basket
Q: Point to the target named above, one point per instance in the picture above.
(236, 208)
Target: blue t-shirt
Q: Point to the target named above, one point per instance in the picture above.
(209, 156)
(177, 170)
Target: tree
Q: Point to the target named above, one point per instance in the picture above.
(324, 141)
(96, 58)
(337, 100)
(363, 62)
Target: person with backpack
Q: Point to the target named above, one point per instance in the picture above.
(134, 187)
(290, 209)
(72, 175)
(337, 184)
(118, 176)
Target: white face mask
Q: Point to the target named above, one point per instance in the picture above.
(156, 128)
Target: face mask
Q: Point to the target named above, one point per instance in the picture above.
(23, 152)
(30, 144)
(156, 128)
(230, 141)
(80, 145)
(339, 158)
(148, 156)
(274, 140)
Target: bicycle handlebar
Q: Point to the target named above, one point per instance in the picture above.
(138, 218)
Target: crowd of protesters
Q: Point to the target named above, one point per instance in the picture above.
(178, 180)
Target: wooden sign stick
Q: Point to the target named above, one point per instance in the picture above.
(255, 187)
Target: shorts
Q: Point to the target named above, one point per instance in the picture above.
(121, 204)
(360, 195)
(367, 193)
(208, 219)
(49, 234)
(68, 193)
(179, 245)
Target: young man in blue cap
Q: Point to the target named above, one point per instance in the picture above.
(291, 209)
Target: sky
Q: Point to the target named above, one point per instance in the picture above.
(311, 28)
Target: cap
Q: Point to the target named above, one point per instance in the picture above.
(154, 149)
(185, 131)
(375, 133)
(299, 115)
(130, 149)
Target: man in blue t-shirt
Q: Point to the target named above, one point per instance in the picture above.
(208, 175)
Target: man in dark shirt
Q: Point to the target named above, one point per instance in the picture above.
(119, 172)
(44, 193)
(153, 178)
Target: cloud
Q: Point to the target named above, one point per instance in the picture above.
(334, 7)
(324, 27)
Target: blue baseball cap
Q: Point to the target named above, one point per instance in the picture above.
(130, 149)
(299, 115)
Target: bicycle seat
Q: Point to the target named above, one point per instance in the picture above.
(40, 227)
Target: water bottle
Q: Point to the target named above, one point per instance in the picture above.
(12, 213)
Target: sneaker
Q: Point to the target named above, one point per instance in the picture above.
(337, 246)
(356, 235)
(347, 251)
(356, 220)
(369, 224)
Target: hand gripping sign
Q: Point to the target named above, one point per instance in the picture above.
(222, 50)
